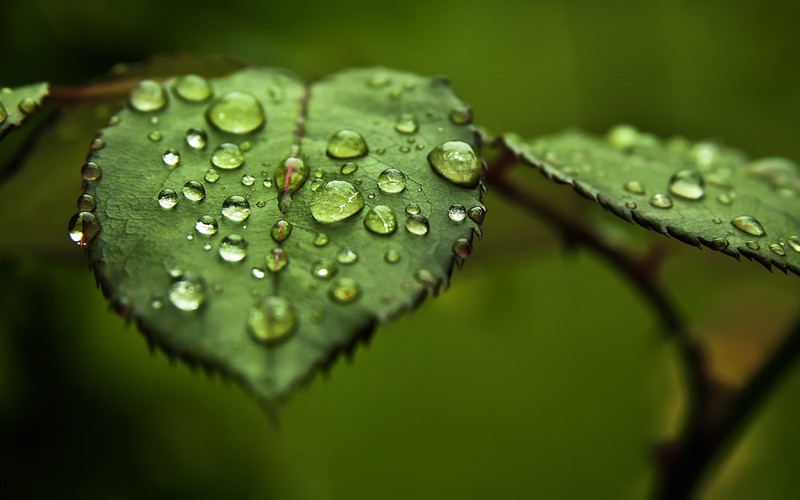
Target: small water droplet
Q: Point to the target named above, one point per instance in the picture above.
(154, 136)
(156, 302)
(90, 171)
(258, 273)
(378, 81)
(86, 203)
(316, 184)
(623, 138)
(457, 212)
(426, 278)
(705, 154)
(281, 230)
(719, 243)
(167, 198)
(83, 227)
(97, 143)
(404, 149)
(687, 184)
(391, 256)
(661, 200)
(194, 191)
(345, 290)
(206, 225)
(634, 187)
(406, 124)
(335, 201)
(236, 208)
(207, 247)
(187, 292)
(196, 138)
(267, 183)
(631, 204)
(192, 88)
(227, 156)
(147, 96)
(248, 180)
(380, 220)
(324, 269)
(391, 180)
(346, 144)
(412, 209)
(348, 168)
(236, 112)
(777, 249)
(261, 203)
(291, 174)
(272, 320)
(753, 245)
(347, 256)
(460, 115)
(233, 248)
(321, 239)
(417, 224)
(457, 162)
(171, 157)
(211, 176)
(794, 243)
(462, 248)
(716, 220)
(277, 260)
(477, 214)
(748, 225)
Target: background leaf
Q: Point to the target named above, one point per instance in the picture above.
(701, 193)
(17, 104)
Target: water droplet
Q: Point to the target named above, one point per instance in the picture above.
(661, 200)
(404, 149)
(316, 184)
(281, 230)
(211, 176)
(406, 124)
(462, 248)
(90, 171)
(460, 115)
(348, 168)
(705, 154)
(412, 209)
(237, 113)
(167, 198)
(206, 225)
(277, 260)
(236, 208)
(777, 249)
(719, 243)
(631, 204)
(97, 143)
(86, 203)
(716, 220)
(724, 198)
(154, 136)
(291, 174)
(147, 96)
(156, 302)
(380, 220)
(346, 144)
(426, 278)
(794, 243)
(248, 180)
(417, 224)
(391, 256)
(83, 227)
(753, 245)
(227, 156)
(688, 184)
(634, 187)
(345, 290)
(261, 203)
(335, 201)
(477, 214)
(457, 212)
(324, 269)
(748, 225)
(321, 239)
(457, 162)
(267, 183)
(378, 81)
(623, 137)
(347, 256)
(192, 88)
(272, 320)
(171, 157)
(233, 248)
(391, 180)
(194, 191)
(187, 292)
(196, 138)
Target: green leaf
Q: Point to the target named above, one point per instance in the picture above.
(700, 193)
(259, 226)
(17, 104)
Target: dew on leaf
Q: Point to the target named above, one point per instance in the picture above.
(457, 162)
(277, 260)
(291, 174)
(460, 115)
(391, 180)
(634, 187)
(348, 168)
(196, 138)
(661, 200)
(794, 243)
(457, 212)
(86, 203)
(719, 243)
(391, 256)
(345, 290)
(380, 220)
(321, 239)
(192, 88)
(724, 198)
(753, 245)
(258, 273)
(477, 214)
(749, 225)
(623, 137)
(206, 225)
(233, 248)
(147, 96)
(236, 112)
(236, 208)
(90, 171)
(271, 320)
(187, 292)
(97, 143)
(631, 204)
(462, 248)
(335, 201)
(194, 191)
(248, 180)
(417, 224)
(687, 184)
(154, 136)
(167, 198)
(412, 209)
(171, 157)
(345, 144)
(777, 249)
(281, 230)
(406, 124)
(347, 256)
(426, 278)
(83, 227)
(227, 156)
(323, 269)
(211, 176)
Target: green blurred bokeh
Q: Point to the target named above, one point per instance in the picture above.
(538, 375)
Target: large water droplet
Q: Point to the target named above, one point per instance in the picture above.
(777, 249)
(748, 225)
(417, 224)
(90, 171)
(233, 248)
(457, 162)
(291, 174)
(688, 184)
(196, 138)
(277, 260)
(406, 124)
(171, 157)
(193, 88)
(147, 96)
(634, 187)
(187, 292)
(206, 225)
(272, 320)
(335, 201)
(457, 212)
(194, 191)
(324, 269)
(83, 227)
(281, 230)
(167, 198)
(477, 214)
(227, 156)
(391, 180)
(346, 144)
(347, 256)
(661, 200)
(381, 220)
(345, 290)
(236, 208)
(236, 112)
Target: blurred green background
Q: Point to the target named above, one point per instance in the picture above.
(540, 374)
